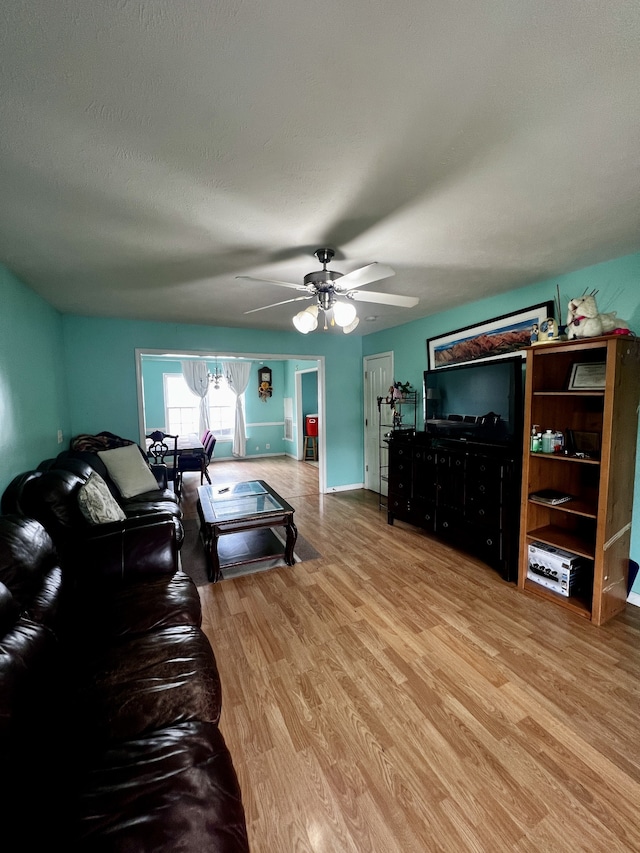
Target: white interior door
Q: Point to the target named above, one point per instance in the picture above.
(378, 377)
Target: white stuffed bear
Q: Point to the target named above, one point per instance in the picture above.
(585, 321)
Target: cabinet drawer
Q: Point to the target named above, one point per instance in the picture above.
(423, 514)
(449, 523)
(484, 479)
(450, 491)
(399, 453)
(425, 456)
(484, 467)
(453, 461)
(484, 491)
(425, 481)
(398, 505)
(399, 484)
(486, 544)
(484, 512)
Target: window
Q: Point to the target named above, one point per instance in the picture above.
(222, 408)
(182, 407)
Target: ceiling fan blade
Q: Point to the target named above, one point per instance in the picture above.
(275, 304)
(363, 275)
(383, 298)
(271, 281)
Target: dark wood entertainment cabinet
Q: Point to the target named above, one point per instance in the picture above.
(463, 492)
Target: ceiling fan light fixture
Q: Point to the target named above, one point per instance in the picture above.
(351, 326)
(344, 313)
(306, 321)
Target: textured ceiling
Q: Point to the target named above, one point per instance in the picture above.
(152, 151)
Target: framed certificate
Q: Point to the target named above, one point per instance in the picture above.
(588, 376)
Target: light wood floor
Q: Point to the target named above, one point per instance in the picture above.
(397, 696)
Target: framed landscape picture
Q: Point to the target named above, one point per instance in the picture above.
(497, 338)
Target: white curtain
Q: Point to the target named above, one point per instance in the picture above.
(196, 375)
(237, 375)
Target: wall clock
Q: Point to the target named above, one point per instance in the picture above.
(264, 383)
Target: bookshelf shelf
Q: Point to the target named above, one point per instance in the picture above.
(577, 605)
(573, 507)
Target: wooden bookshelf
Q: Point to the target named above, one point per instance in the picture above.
(596, 525)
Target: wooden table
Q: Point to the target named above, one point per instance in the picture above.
(190, 443)
(238, 507)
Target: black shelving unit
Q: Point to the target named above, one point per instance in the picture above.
(393, 417)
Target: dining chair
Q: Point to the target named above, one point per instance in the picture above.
(162, 449)
(198, 460)
(208, 453)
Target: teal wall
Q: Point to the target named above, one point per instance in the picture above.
(289, 390)
(100, 365)
(618, 288)
(265, 418)
(153, 390)
(33, 400)
(309, 383)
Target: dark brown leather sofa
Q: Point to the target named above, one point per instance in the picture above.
(110, 696)
(49, 494)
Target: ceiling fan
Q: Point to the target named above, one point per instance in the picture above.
(327, 286)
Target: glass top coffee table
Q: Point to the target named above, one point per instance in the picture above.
(236, 507)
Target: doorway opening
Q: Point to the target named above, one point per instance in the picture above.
(267, 431)
(307, 407)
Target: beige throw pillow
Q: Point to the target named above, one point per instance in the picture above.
(96, 502)
(129, 470)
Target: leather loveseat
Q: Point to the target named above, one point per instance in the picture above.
(109, 701)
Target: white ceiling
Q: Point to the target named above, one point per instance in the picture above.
(152, 151)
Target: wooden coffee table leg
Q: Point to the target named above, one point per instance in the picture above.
(292, 535)
(214, 559)
(210, 542)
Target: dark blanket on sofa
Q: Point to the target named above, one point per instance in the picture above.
(102, 441)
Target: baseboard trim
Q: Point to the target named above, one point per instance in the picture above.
(348, 488)
(634, 598)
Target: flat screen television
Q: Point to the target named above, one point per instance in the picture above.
(478, 401)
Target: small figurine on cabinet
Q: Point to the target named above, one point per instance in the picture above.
(585, 321)
(549, 330)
